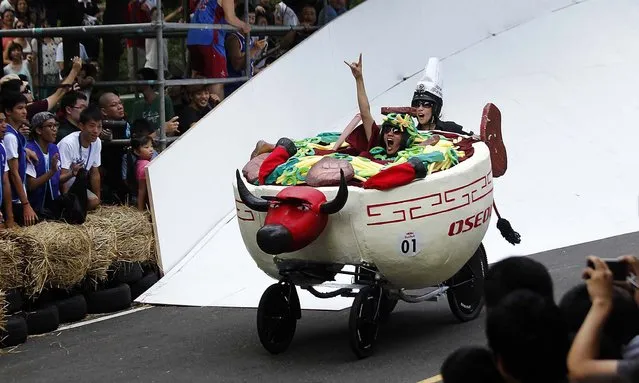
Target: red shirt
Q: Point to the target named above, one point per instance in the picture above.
(137, 15)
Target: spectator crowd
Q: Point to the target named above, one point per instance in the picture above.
(590, 335)
(57, 121)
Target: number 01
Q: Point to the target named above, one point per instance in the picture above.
(406, 245)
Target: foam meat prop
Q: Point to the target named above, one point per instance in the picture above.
(327, 172)
(251, 170)
(490, 132)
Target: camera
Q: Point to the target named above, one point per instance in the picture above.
(117, 127)
(618, 268)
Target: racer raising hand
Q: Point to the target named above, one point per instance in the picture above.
(362, 98)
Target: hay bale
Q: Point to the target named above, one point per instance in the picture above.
(104, 239)
(3, 311)
(134, 233)
(137, 248)
(11, 264)
(127, 220)
(57, 255)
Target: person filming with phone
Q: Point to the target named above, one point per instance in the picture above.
(613, 316)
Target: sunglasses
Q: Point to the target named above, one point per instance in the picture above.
(391, 129)
(422, 103)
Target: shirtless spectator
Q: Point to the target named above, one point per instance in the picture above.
(73, 103)
(206, 46)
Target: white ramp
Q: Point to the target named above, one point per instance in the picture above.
(566, 86)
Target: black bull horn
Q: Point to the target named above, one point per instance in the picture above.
(260, 204)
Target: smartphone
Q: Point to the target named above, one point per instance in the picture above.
(619, 268)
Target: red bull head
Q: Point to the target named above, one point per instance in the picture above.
(295, 217)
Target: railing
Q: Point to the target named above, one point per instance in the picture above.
(156, 29)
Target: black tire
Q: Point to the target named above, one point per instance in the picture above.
(109, 300)
(16, 332)
(43, 320)
(72, 309)
(125, 272)
(466, 287)
(14, 300)
(45, 298)
(139, 287)
(363, 322)
(276, 319)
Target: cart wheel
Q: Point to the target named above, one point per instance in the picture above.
(466, 292)
(276, 321)
(363, 322)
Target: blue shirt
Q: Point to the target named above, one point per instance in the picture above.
(327, 14)
(208, 12)
(232, 87)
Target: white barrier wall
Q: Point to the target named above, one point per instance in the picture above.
(566, 86)
(311, 90)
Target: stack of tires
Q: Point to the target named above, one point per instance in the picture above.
(15, 329)
(125, 282)
(53, 307)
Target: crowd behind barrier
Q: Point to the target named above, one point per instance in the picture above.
(76, 237)
(37, 78)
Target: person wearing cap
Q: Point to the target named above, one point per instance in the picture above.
(44, 177)
(428, 101)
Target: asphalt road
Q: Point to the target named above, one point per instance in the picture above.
(175, 344)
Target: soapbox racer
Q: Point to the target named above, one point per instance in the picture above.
(426, 234)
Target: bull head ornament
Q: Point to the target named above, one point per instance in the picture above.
(295, 217)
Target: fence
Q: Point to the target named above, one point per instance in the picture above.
(156, 29)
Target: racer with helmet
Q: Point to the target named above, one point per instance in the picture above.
(428, 101)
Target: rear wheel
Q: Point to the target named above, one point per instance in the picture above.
(466, 287)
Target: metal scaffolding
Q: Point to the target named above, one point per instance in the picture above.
(157, 29)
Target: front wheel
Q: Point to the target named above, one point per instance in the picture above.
(364, 321)
(276, 320)
(466, 288)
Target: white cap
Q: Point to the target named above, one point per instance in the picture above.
(431, 81)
